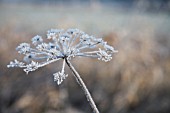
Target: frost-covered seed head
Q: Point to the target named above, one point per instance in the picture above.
(23, 48)
(59, 77)
(37, 39)
(31, 67)
(62, 44)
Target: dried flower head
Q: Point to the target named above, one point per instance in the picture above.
(64, 44)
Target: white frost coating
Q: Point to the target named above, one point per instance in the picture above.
(62, 44)
(60, 76)
(37, 39)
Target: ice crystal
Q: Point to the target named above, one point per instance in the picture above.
(62, 44)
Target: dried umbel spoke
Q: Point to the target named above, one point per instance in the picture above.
(62, 44)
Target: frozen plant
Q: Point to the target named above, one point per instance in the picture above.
(63, 45)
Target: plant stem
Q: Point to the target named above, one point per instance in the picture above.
(83, 86)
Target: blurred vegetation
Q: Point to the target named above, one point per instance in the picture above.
(135, 81)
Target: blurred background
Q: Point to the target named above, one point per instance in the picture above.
(137, 80)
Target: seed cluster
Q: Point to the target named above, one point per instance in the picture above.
(61, 44)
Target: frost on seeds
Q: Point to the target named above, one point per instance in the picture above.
(37, 39)
(62, 44)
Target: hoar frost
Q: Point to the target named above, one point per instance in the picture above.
(63, 44)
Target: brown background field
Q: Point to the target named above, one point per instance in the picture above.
(137, 80)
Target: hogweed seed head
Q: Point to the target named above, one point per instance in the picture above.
(63, 44)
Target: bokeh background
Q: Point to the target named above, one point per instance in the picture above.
(137, 80)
